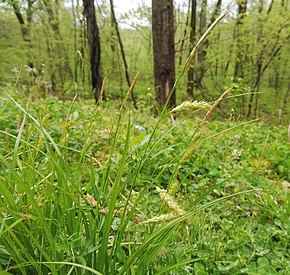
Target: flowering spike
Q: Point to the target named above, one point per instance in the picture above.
(189, 106)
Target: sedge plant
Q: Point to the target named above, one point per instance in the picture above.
(51, 224)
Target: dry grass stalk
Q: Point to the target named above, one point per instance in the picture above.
(102, 90)
(217, 102)
(105, 211)
(131, 88)
(191, 148)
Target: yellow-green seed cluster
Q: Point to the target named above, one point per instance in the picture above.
(171, 203)
(189, 106)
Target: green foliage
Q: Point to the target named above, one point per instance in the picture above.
(103, 189)
(91, 207)
(59, 53)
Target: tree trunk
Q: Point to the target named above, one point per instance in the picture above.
(216, 12)
(25, 28)
(60, 54)
(259, 62)
(286, 98)
(94, 47)
(163, 51)
(192, 38)
(240, 55)
(201, 52)
(242, 8)
(261, 58)
(184, 36)
(122, 50)
(203, 48)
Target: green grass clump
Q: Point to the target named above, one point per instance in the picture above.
(81, 194)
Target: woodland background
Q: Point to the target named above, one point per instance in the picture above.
(44, 43)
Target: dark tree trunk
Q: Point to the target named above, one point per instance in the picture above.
(163, 51)
(192, 38)
(94, 47)
(122, 50)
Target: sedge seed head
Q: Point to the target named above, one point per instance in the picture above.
(161, 218)
(189, 106)
(170, 202)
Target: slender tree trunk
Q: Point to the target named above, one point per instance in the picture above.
(215, 65)
(94, 47)
(122, 50)
(79, 43)
(255, 88)
(240, 56)
(286, 98)
(242, 8)
(202, 49)
(192, 39)
(25, 28)
(76, 58)
(83, 46)
(216, 12)
(184, 36)
(61, 58)
(260, 60)
(163, 50)
(217, 43)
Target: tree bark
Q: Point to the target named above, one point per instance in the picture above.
(94, 47)
(163, 51)
(192, 38)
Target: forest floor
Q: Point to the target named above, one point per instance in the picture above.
(108, 190)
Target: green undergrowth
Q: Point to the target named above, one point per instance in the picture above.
(88, 189)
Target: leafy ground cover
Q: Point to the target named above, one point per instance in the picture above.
(89, 189)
